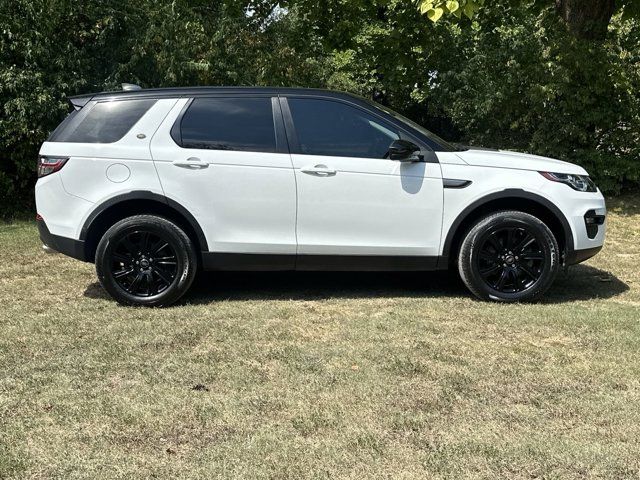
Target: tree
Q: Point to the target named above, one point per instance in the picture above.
(585, 19)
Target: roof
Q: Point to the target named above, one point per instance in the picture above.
(79, 101)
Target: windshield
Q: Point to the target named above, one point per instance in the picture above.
(446, 146)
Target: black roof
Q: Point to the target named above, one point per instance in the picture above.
(81, 100)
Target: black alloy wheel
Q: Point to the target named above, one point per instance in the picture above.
(144, 263)
(510, 259)
(146, 260)
(509, 256)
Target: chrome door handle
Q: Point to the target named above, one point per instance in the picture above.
(319, 171)
(192, 162)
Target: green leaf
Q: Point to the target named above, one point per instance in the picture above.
(425, 6)
(434, 14)
(469, 9)
(453, 6)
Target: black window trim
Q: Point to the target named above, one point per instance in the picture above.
(278, 123)
(403, 130)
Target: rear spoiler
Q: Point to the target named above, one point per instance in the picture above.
(79, 101)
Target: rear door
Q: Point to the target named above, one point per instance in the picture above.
(352, 200)
(225, 159)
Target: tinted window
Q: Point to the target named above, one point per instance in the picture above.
(60, 129)
(106, 122)
(229, 124)
(332, 128)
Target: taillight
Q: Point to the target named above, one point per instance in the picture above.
(48, 165)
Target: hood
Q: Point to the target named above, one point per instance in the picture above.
(520, 161)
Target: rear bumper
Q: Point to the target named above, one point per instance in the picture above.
(66, 246)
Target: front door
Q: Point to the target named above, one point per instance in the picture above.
(352, 199)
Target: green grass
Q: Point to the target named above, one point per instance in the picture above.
(320, 375)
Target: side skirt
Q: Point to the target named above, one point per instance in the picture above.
(336, 263)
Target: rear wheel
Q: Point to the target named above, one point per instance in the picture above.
(509, 256)
(146, 260)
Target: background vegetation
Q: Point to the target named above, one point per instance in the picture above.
(513, 77)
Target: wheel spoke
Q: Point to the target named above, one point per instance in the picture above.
(528, 271)
(136, 283)
(119, 257)
(494, 243)
(501, 281)
(166, 260)
(518, 282)
(511, 232)
(524, 243)
(532, 256)
(144, 241)
(489, 257)
(123, 273)
(163, 245)
(487, 272)
(163, 276)
(130, 247)
(150, 283)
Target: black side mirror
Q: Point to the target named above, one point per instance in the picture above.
(404, 151)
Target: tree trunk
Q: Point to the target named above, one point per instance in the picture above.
(586, 19)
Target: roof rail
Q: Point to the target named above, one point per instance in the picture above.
(127, 87)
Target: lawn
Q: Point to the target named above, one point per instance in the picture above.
(320, 375)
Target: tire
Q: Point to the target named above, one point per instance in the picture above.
(509, 256)
(146, 260)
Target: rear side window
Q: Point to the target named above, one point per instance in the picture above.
(106, 122)
(326, 127)
(244, 124)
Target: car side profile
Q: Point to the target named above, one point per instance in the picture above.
(154, 184)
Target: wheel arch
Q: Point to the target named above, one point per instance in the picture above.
(508, 199)
(136, 203)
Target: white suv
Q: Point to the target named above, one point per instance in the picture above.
(153, 184)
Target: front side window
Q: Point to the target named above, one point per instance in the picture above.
(106, 122)
(326, 127)
(244, 124)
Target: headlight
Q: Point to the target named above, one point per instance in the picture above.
(582, 183)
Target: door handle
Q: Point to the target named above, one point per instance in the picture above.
(192, 162)
(319, 171)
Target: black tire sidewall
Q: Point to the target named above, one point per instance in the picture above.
(178, 240)
(470, 249)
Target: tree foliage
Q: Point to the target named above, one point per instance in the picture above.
(511, 78)
(586, 19)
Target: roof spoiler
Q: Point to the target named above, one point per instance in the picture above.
(79, 101)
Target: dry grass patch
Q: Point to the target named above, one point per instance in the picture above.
(320, 375)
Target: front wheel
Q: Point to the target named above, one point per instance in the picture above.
(509, 256)
(146, 260)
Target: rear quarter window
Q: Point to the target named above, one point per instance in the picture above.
(106, 122)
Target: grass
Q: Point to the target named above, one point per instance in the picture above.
(320, 375)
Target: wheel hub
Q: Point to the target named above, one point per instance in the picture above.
(144, 263)
(510, 259)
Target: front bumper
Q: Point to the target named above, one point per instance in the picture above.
(66, 246)
(578, 256)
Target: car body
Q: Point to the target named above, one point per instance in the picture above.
(293, 179)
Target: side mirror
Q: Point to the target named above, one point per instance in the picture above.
(404, 151)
